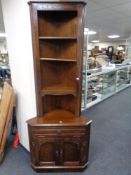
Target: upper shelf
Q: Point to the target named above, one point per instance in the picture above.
(57, 23)
(58, 59)
(57, 38)
(58, 90)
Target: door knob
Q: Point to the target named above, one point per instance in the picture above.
(77, 78)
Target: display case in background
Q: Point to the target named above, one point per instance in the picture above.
(105, 83)
(128, 49)
(4, 70)
(100, 80)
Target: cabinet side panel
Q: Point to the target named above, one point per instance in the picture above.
(80, 42)
(34, 27)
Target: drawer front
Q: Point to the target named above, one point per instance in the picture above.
(59, 131)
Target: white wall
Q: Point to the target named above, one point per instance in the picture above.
(19, 44)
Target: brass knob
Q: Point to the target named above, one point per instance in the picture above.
(77, 78)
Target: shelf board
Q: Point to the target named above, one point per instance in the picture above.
(58, 90)
(57, 38)
(58, 114)
(58, 59)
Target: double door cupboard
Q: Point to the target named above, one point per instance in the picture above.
(63, 144)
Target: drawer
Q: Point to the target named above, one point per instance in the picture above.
(59, 131)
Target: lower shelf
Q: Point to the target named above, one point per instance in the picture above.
(59, 113)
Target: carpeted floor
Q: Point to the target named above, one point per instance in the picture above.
(110, 148)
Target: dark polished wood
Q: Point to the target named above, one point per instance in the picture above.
(57, 32)
(59, 143)
(59, 136)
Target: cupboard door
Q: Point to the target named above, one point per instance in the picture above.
(71, 151)
(48, 151)
(84, 151)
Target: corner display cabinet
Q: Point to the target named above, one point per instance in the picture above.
(59, 136)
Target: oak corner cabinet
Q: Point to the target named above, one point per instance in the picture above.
(59, 136)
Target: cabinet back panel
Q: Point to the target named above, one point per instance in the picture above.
(58, 49)
(62, 102)
(57, 23)
(55, 73)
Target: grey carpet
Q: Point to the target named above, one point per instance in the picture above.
(110, 147)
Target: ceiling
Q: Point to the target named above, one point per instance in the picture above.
(104, 16)
(109, 17)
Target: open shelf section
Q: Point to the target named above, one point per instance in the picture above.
(61, 102)
(58, 74)
(58, 59)
(57, 23)
(58, 49)
(57, 38)
(58, 90)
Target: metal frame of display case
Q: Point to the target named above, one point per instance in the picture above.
(128, 48)
(85, 69)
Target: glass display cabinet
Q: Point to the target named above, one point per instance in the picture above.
(128, 49)
(109, 84)
(98, 83)
(122, 78)
(103, 84)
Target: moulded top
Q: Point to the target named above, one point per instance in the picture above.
(59, 118)
(62, 1)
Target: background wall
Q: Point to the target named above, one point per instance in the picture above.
(105, 45)
(19, 44)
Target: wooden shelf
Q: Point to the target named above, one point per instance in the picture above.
(58, 59)
(57, 38)
(58, 114)
(61, 48)
(58, 90)
(59, 117)
(57, 23)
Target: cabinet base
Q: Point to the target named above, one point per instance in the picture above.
(59, 168)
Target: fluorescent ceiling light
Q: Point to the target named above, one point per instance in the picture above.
(113, 36)
(95, 41)
(2, 35)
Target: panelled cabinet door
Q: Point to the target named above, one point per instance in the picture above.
(84, 147)
(47, 151)
(71, 151)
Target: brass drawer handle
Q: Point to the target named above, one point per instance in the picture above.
(33, 144)
(57, 153)
(58, 131)
(61, 152)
